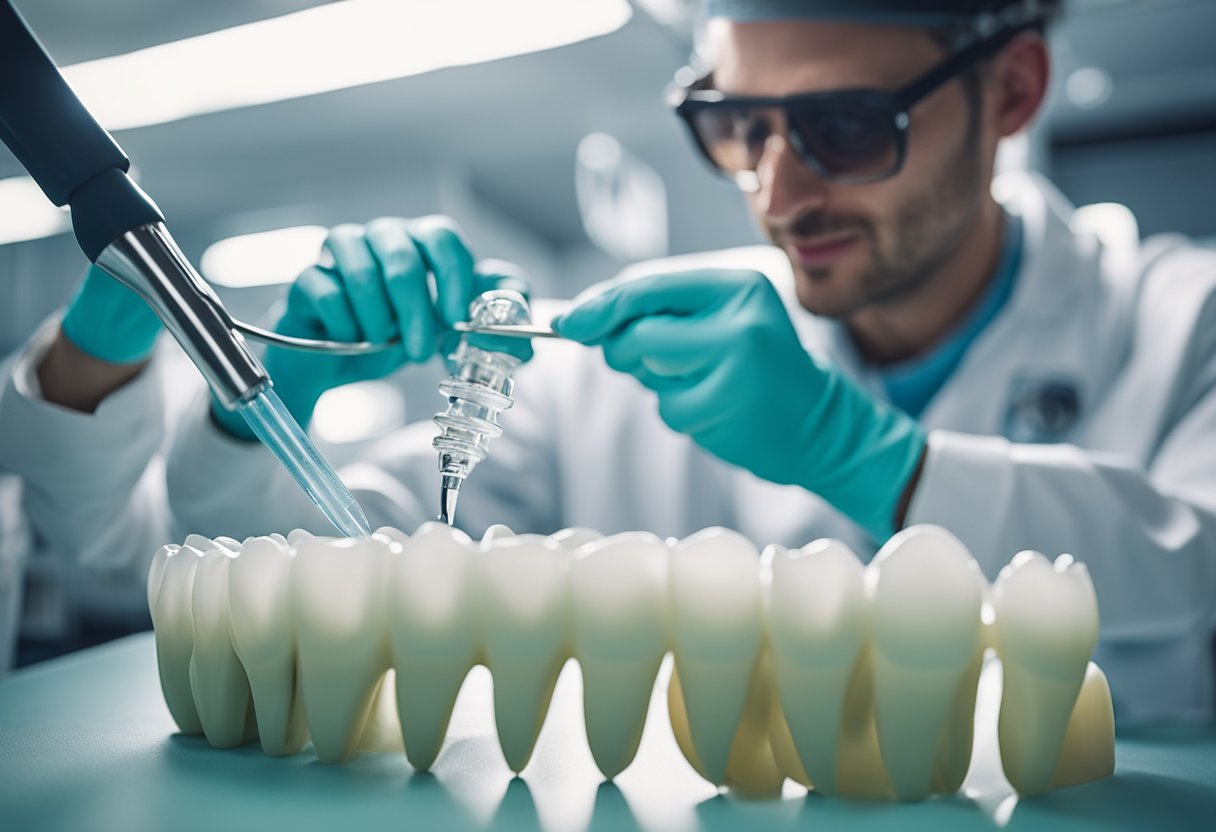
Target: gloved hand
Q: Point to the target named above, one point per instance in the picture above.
(378, 288)
(718, 348)
(109, 321)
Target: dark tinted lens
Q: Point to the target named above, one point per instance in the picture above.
(733, 137)
(847, 140)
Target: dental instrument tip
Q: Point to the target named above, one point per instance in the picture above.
(449, 493)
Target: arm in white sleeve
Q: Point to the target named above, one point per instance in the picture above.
(94, 485)
(1147, 537)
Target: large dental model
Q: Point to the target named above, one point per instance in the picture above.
(854, 680)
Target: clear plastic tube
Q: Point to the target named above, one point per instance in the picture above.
(270, 419)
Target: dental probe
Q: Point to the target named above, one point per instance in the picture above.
(78, 164)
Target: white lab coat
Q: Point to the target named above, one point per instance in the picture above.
(92, 507)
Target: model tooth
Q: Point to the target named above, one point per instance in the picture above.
(573, 538)
(494, 532)
(817, 623)
(392, 535)
(217, 678)
(295, 537)
(434, 625)
(925, 618)
(338, 601)
(525, 598)
(156, 571)
(173, 622)
(1046, 628)
(263, 635)
(716, 637)
(618, 601)
(1088, 751)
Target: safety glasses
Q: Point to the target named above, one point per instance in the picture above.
(849, 136)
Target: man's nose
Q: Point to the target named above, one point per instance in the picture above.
(787, 187)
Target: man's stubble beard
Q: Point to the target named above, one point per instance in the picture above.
(929, 228)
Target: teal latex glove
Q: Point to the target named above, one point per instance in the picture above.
(392, 277)
(109, 321)
(720, 351)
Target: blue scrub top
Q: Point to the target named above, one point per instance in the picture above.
(912, 384)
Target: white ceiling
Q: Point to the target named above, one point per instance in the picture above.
(510, 128)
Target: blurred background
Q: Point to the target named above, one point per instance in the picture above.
(539, 125)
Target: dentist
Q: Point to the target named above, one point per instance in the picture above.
(918, 346)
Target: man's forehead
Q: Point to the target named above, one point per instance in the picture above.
(770, 57)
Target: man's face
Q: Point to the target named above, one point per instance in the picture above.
(854, 246)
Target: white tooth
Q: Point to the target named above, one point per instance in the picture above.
(394, 535)
(156, 571)
(525, 602)
(263, 635)
(1088, 752)
(817, 622)
(575, 537)
(217, 678)
(229, 543)
(493, 533)
(173, 622)
(338, 605)
(925, 616)
(296, 536)
(716, 638)
(435, 629)
(1046, 628)
(618, 602)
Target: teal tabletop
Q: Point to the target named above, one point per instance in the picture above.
(87, 744)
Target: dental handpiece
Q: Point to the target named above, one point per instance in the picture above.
(77, 163)
(478, 389)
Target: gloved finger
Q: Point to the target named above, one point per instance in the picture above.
(499, 274)
(667, 345)
(318, 307)
(696, 408)
(405, 281)
(450, 261)
(359, 272)
(679, 294)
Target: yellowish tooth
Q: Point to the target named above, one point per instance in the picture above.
(263, 636)
(1088, 751)
(173, 622)
(716, 642)
(217, 678)
(525, 597)
(436, 628)
(339, 599)
(618, 599)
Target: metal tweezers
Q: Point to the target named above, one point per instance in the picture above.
(367, 347)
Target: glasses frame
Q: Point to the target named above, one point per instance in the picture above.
(688, 100)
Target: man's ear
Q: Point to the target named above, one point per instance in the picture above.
(1018, 82)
